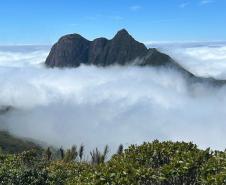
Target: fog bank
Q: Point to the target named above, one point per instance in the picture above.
(98, 106)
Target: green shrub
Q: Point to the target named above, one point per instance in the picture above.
(156, 163)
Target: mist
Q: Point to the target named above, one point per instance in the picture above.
(206, 59)
(113, 105)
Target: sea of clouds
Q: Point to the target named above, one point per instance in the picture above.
(97, 106)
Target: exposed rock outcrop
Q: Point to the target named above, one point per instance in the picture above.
(73, 50)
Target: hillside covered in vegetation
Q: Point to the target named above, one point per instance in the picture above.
(12, 144)
(156, 163)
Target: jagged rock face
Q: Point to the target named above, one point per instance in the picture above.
(73, 50)
(96, 49)
(123, 49)
(69, 51)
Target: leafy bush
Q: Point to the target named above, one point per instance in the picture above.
(156, 163)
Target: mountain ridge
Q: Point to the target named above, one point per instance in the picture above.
(72, 50)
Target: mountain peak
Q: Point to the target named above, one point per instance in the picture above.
(122, 49)
(74, 36)
(123, 33)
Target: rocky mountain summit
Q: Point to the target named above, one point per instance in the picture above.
(73, 50)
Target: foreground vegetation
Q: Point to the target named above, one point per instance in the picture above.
(156, 163)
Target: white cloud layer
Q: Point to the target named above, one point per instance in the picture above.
(205, 59)
(98, 106)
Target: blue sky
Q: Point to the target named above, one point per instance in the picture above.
(44, 21)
